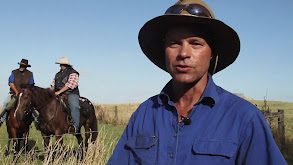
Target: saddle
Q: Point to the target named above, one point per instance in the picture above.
(83, 107)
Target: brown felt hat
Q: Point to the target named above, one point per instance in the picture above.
(226, 43)
(24, 62)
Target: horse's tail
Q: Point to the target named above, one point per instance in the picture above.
(94, 123)
(94, 128)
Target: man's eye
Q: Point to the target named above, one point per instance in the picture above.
(173, 44)
(195, 43)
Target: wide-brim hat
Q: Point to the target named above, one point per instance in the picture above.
(24, 62)
(63, 61)
(225, 39)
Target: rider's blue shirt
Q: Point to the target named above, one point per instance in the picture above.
(224, 129)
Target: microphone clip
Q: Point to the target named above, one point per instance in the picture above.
(186, 120)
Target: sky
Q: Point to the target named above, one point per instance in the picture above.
(101, 40)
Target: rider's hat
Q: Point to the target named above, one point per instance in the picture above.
(64, 61)
(24, 62)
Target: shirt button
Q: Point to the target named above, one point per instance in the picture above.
(175, 135)
(171, 155)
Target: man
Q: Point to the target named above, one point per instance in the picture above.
(193, 121)
(18, 77)
(66, 82)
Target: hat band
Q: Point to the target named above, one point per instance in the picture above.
(194, 9)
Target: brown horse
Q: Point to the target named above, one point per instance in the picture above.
(52, 119)
(18, 130)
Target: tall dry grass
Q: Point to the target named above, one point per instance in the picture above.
(115, 114)
(97, 153)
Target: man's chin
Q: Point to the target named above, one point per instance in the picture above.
(186, 80)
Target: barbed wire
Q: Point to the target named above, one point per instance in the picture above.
(40, 152)
(51, 148)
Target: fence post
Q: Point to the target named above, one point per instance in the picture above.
(116, 114)
(281, 128)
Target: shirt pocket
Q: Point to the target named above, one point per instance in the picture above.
(143, 148)
(214, 151)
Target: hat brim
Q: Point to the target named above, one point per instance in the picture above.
(27, 65)
(151, 37)
(62, 63)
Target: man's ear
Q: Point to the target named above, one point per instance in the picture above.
(213, 64)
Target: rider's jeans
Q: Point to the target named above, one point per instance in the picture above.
(73, 101)
(7, 100)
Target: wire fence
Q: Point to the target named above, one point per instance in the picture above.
(70, 147)
(280, 126)
(40, 136)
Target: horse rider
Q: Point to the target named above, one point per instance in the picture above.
(18, 77)
(66, 82)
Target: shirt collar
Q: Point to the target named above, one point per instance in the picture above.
(22, 71)
(209, 96)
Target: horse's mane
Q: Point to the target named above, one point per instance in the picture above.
(43, 94)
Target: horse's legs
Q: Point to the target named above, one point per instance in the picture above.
(87, 135)
(14, 136)
(16, 148)
(94, 129)
(18, 141)
(25, 135)
(16, 144)
(8, 146)
(46, 141)
(59, 140)
(80, 143)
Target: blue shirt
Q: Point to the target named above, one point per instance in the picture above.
(224, 129)
(11, 78)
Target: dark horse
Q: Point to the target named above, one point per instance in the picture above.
(52, 119)
(18, 130)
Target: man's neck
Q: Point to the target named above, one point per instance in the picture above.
(22, 69)
(186, 95)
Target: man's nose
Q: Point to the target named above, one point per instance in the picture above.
(184, 51)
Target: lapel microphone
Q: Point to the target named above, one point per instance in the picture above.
(185, 120)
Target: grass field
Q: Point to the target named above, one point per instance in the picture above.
(112, 121)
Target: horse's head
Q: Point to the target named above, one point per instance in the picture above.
(24, 101)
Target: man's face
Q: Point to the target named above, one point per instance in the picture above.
(22, 67)
(62, 66)
(187, 54)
